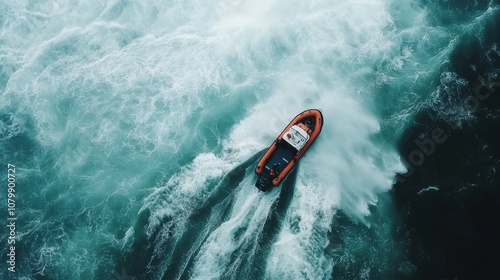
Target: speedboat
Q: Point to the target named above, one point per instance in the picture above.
(288, 148)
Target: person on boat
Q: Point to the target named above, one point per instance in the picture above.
(306, 126)
(308, 123)
(273, 173)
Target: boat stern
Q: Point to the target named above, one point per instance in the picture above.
(263, 184)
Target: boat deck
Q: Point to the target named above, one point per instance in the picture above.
(281, 157)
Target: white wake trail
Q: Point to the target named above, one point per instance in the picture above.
(246, 221)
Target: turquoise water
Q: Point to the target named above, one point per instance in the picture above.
(135, 129)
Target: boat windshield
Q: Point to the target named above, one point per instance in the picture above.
(296, 137)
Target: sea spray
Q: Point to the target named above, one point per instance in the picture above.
(127, 119)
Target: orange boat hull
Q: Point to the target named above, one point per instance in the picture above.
(288, 148)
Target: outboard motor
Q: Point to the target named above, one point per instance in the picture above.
(263, 184)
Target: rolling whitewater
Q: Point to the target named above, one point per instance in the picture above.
(131, 132)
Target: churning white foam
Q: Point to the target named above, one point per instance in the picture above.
(130, 76)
